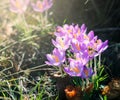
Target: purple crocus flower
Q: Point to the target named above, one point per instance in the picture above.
(57, 58)
(75, 68)
(41, 6)
(59, 32)
(82, 57)
(76, 32)
(103, 47)
(48, 4)
(66, 30)
(83, 28)
(61, 43)
(71, 31)
(87, 72)
(86, 39)
(18, 6)
(91, 51)
(91, 35)
(77, 46)
(96, 47)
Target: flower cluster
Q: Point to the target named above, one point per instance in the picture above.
(74, 49)
(20, 6)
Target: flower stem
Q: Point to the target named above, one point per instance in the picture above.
(87, 82)
(61, 71)
(105, 97)
(95, 65)
(99, 64)
(24, 20)
(91, 63)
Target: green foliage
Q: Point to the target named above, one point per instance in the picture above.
(22, 40)
(99, 78)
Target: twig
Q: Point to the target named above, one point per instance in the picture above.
(16, 42)
(107, 29)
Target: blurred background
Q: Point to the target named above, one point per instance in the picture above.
(95, 13)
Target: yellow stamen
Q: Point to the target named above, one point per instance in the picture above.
(79, 32)
(17, 3)
(90, 50)
(56, 58)
(86, 37)
(75, 69)
(61, 43)
(75, 36)
(98, 41)
(69, 31)
(77, 46)
(86, 72)
(40, 6)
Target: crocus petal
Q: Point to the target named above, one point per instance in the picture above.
(61, 43)
(104, 46)
(83, 58)
(48, 4)
(57, 58)
(91, 35)
(73, 72)
(75, 68)
(87, 72)
(50, 58)
(83, 28)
